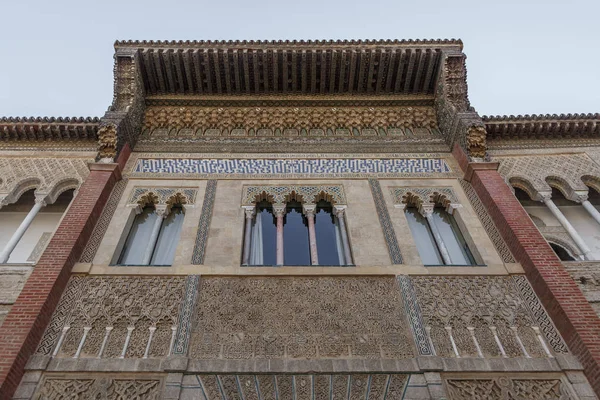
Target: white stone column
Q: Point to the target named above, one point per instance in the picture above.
(427, 212)
(279, 211)
(567, 225)
(14, 240)
(309, 212)
(249, 212)
(591, 209)
(162, 213)
(340, 213)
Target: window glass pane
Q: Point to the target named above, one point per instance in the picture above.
(138, 238)
(453, 239)
(168, 238)
(263, 243)
(295, 236)
(327, 243)
(423, 237)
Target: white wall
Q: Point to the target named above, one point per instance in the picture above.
(9, 222)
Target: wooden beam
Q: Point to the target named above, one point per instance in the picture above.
(313, 71)
(169, 69)
(400, 71)
(390, 70)
(246, 65)
(209, 78)
(341, 84)
(189, 74)
(226, 67)
(420, 68)
(323, 78)
(256, 71)
(265, 69)
(198, 71)
(334, 60)
(429, 71)
(217, 76)
(381, 57)
(284, 72)
(275, 54)
(236, 71)
(304, 73)
(180, 77)
(150, 73)
(371, 71)
(352, 71)
(361, 70)
(294, 71)
(159, 71)
(409, 70)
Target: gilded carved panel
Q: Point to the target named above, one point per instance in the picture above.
(289, 121)
(300, 318)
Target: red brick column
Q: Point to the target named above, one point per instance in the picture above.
(25, 323)
(572, 314)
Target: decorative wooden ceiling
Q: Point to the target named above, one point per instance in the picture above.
(542, 126)
(321, 67)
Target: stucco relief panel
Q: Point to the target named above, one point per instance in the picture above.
(300, 318)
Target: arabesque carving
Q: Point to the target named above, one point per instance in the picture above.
(107, 142)
(302, 193)
(417, 196)
(234, 119)
(300, 318)
(116, 303)
(143, 196)
(496, 314)
(476, 141)
(99, 389)
(504, 388)
(49, 176)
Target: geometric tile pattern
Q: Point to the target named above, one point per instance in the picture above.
(413, 314)
(386, 224)
(288, 387)
(203, 225)
(316, 167)
(184, 324)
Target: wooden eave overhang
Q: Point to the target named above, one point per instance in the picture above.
(45, 129)
(549, 126)
(369, 67)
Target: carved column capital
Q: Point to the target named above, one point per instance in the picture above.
(339, 211)
(41, 199)
(162, 210)
(426, 209)
(279, 210)
(249, 211)
(309, 210)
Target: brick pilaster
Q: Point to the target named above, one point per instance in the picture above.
(25, 323)
(572, 314)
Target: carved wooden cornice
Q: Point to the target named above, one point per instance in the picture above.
(549, 126)
(45, 129)
(296, 67)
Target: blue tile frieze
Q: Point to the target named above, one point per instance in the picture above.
(316, 167)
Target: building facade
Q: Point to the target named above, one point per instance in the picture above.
(299, 220)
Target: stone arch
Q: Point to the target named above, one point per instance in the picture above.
(21, 187)
(441, 199)
(526, 185)
(147, 199)
(325, 196)
(592, 182)
(562, 185)
(177, 199)
(294, 197)
(537, 221)
(264, 196)
(413, 199)
(60, 187)
(570, 248)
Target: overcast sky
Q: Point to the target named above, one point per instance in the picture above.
(524, 56)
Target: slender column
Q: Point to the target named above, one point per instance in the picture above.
(428, 330)
(106, 336)
(591, 209)
(173, 332)
(86, 330)
(14, 240)
(449, 329)
(498, 342)
(309, 212)
(162, 213)
(150, 336)
(542, 341)
(279, 211)
(127, 339)
(520, 342)
(249, 212)
(427, 212)
(472, 332)
(340, 213)
(61, 339)
(568, 227)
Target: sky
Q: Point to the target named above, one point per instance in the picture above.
(524, 57)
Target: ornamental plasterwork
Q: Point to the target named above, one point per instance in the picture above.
(310, 386)
(49, 176)
(305, 194)
(106, 310)
(290, 121)
(485, 317)
(142, 196)
(418, 196)
(98, 388)
(567, 172)
(333, 317)
(508, 388)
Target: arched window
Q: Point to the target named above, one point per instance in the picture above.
(295, 236)
(329, 239)
(153, 237)
(561, 252)
(263, 241)
(438, 237)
